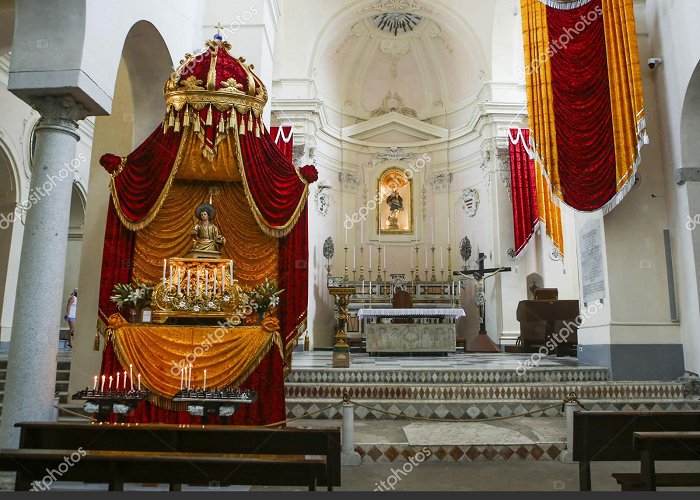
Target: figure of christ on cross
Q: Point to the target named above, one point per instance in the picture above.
(482, 342)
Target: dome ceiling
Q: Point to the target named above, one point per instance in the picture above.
(399, 56)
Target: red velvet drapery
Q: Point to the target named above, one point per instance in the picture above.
(277, 194)
(582, 109)
(284, 138)
(524, 185)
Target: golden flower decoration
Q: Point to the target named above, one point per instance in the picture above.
(271, 324)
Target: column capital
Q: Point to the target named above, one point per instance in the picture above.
(59, 111)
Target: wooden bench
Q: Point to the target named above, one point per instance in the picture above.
(655, 446)
(173, 454)
(602, 436)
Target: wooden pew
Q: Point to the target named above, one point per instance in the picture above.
(602, 436)
(256, 450)
(655, 446)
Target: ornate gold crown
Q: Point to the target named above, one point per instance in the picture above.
(216, 78)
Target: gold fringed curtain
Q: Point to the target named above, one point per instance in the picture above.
(254, 253)
(157, 352)
(627, 95)
(538, 75)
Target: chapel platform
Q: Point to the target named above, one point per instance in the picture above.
(465, 387)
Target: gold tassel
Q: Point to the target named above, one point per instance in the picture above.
(250, 121)
(210, 119)
(257, 128)
(177, 123)
(171, 120)
(196, 123)
(222, 126)
(231, 122)
(241, 128)
(186, 118)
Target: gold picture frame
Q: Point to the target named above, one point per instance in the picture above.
(395, 205)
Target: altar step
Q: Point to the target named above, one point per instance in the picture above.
(464, 387)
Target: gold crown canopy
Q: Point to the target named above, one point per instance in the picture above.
(213, 78)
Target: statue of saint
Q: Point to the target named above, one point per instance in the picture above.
(395, 202)
(207, 239)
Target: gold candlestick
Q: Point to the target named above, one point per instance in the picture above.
(432, 276)
(362, 263)
(379, 262)
(347, 277)
(417, 270)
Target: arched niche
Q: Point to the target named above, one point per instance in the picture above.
(9, 195)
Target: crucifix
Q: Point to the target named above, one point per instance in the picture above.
(482, 342)
(219, 27)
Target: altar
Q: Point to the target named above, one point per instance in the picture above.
(425, 330)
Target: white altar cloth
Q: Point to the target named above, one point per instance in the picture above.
(451, 313)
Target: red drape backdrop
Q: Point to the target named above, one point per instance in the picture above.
(278, 195)
(524, 184)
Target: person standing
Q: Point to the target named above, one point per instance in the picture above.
(71, 309)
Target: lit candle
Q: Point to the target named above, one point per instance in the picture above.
(205, 380)
(178, 285)
(363, 287)
(117, 381)
(189, 377)
(94, 386)
(125, 380)
(346, 235)
(198, 283)
(215, 271)
(189, 276)
(170, 288)
(139, 382)
(165, 263)
(102, 387)
(206, 282)
(182, 377)
(131, 375)
(231, 269)
(110, 383)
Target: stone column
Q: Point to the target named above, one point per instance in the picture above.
(31, 369)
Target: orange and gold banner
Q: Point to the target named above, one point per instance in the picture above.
(585, 98)
(157, 352)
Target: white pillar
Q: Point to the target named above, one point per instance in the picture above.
(31, 370)
(349, 456)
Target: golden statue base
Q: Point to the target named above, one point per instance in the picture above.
(201, 254)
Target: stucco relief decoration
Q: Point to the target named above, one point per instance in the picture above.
(435, 32)
(470, 201)
(395, 49)
(323, 198)
(505, 180)
(394, 154)
(349, 181)
(440, 182)
(393, 103)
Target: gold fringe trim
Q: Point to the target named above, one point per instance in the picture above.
(166, 402)
(271, 231)
(132, 225)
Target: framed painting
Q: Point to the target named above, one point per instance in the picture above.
(395, 207)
